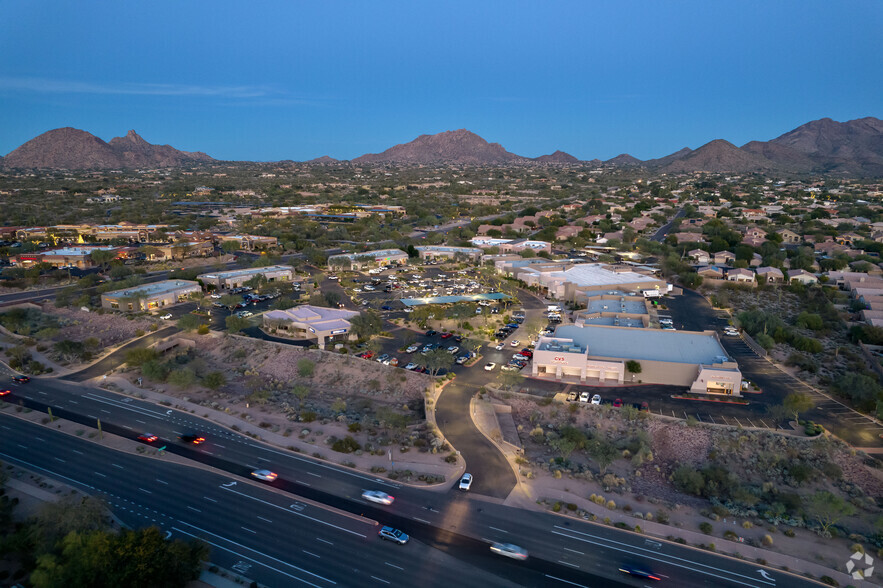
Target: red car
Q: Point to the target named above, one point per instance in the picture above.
(526, 352)
(446, 335)
(5, 392)
(617, 403)
(366, 355)
(147, 438)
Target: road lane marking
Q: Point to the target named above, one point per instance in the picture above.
(29, 464)
(573, 565)
(324, 541)
(61, 460)
(41, 392)
(422, 521)
(219, 445)
(573, 551)
(22, 446)
(100, 474)
(77, 452)
(162, 482)
(655, 556)
(315, 475)
(374, 480)
(210, 499)
(254, 560)
(300, 514)
(393, 566)
(145, 490)
(117, 404)
(310, 553)
(117, 466)
(142, 422)
(73, 401)
(195, 509)
(265, 520)
(249, 530)
(496, 529)
(128, 427)
(102, 410)
(380, 579)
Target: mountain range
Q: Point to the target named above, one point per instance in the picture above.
(69, 148)
(824, 146)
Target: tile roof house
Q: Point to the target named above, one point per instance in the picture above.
(700, 256)
(724, 257)
(710, 271)
(789, 236)
(740, 275)
(773, 275)
(802, 277)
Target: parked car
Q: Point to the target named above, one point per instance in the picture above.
(412, 348)
(584, 397)
(489, 367)
(596, 399)
(166, 316)
(461, 359)
(617, 403)
(453, 349)
(515, 343)
(411, 366)
(466, 482)
(446, 335)
(500, 346)
(382, 358)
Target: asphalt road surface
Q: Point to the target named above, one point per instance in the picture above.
(288, 533)
(118, 357)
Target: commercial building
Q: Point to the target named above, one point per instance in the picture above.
(151, 296)
(615, 309)
(446, 252)
(377, 258)
(236, 278)
(80, 257)
(249, 242)
(512, 245)
(599, 354)
(311, 322)
(570, 280)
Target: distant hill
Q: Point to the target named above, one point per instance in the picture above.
(461, 146)
(663, 161)
(557, 157)
(854, 147)
(69, 148)
(719, 156)
(323, 159)
(624, 160)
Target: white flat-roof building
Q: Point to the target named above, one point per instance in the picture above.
(236, 278)
(151, 296)
(311, 322)
(375, 258)
(695, 360)
(448, 252)
(569, 280)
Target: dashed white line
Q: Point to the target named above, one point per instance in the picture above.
(128, 427)
(500, 530)
(219, 445)
(567, 563)
(40, 439)
(117, 466)
(59, 459)
(142, 422)
(315, 475)
(22, 446)
(324, 541)
(41, 392)
(249, 530)
(210, 499)
(73, 401)
(77, 452)
(380, 579)
(310, 553)
(162, 482)
(573, 551)
(565, 581)
(107, 411)
(100, 474)
(265, 520)
(197, 510)
(145, 490)
(393, 566)
(422, 521)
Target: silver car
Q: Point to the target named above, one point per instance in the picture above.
(378, 497)
(391, 534)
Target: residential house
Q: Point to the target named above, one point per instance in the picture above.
(700, 256)
(772, 275)
(710, 271)
(567, 232)
(802, 277)
(723, 258)
(740, 275)
(789, 237)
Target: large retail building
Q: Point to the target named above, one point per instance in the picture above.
(151, 296)
(236, 278)
(590, 354)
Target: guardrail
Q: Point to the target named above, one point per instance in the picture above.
(754, 345)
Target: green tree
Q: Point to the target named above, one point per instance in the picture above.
(214, 380)
(828, 509)
(102, 257)
(603, 452)
(182, 378)
(230, 246)
(798, 402)
(154, 370)
(633, 367)
(189, 322)
(235, 323)
(437, 360)
(140, 355)
(366, 324)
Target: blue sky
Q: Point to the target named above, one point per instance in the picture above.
(295, 80)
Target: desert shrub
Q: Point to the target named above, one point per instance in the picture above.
(788, 532)
(214, 380)
(767, 540)
(731, 535)
(183, 378)
(662, 516)
(747, 525)
(308, 416)
(354, 427)
(305, 367)
(345, 445)
(571, 506)
(706, 527)
(829, 581)
(556, 507)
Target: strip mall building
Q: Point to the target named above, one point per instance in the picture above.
(599, 354)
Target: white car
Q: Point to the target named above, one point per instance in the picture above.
(596, 399)
(584, 397)
(216, 296)
(265, 475)
(166, 316)
(453, 349)
(466, 482)
(509, 550)
(411, 366)
(515, 343)
(378, 497)
(489, 367)
(412, 348)
(500, 346)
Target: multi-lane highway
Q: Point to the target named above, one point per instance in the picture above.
(285, 531)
